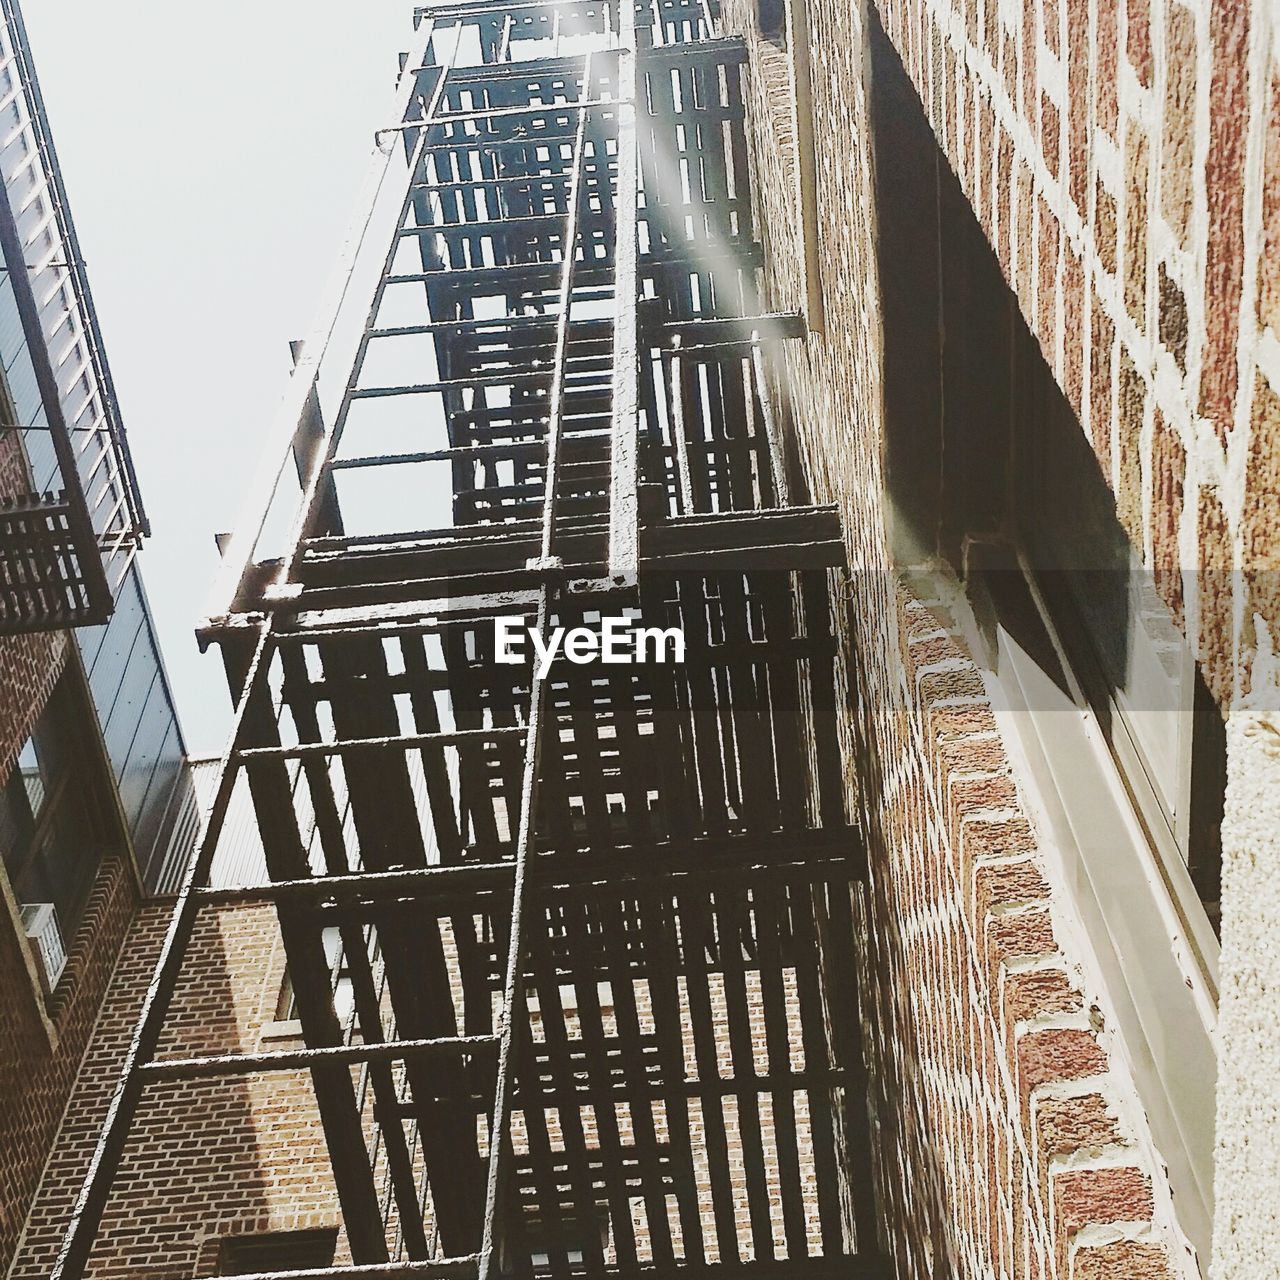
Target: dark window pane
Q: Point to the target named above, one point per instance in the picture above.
(276, 1251)
(51, 806)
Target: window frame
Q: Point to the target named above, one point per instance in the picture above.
(325, 1239)
(1152, 950)
(81, 777)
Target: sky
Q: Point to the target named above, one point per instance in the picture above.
(212, 155)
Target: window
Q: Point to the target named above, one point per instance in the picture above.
(991, 477)
(51, 814)
(277, 1251)
(340, 981)
(1124, 648)
(1126, 752)
(771, 15)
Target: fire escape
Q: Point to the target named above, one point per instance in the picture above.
(71, 518)
(598, 923)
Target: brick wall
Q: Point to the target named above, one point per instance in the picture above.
(247, 1155)
(41, 1043)
(1124, 160)
(1009, 1139)
(206, 1158)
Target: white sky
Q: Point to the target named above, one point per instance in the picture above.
(211, 154)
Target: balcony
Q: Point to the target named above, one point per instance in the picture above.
(70, 515)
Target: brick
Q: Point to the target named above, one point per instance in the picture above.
(1123, 1260)
(1108, 68)
(1138, 38)
(1132, 410)
(1135, 224)
(1177, 153)
(1054, 1055)
(1172, 318)
(1101, 385)
(1047, 248)
(1269, 257)
(961, 720)
(1027, 60)
(1067, 1126)
(1050, 19)
(1260, 518)
(1224, 184)
(1075, 328)
(1215, 583)
(1022, 936)
(960, 682)
(1088, 1196)
(1050, 134)
(1078, 102)
(1007, 884)
(1104, 228)
(1168, 469)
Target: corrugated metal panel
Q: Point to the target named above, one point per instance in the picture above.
(184, 822)
(239, 860)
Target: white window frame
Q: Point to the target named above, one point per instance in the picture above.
(1151, 947)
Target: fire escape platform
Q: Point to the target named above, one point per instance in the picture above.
(599, 923)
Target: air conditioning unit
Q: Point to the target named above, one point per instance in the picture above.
(40, 920)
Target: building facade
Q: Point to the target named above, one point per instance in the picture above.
(1032, 244)
(96, 804)
(916, 359)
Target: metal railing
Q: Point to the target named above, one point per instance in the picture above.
(71, 517)
(562, 257)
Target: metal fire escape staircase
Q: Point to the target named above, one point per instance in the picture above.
(598, 925)
(71, 518)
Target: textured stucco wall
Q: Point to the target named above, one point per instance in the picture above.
(1247, 1228)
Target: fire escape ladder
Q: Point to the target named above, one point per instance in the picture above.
(596, 921)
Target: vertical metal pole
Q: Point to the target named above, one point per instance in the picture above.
(513, 1001)
(678, 427)
(772, 434)
(624, 528)
(569, 241)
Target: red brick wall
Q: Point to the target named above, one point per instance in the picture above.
(40, 1052)
(41, 1042)
(1003, 1087)
(1008, 1137)
(1124, 160)
(207, 1158)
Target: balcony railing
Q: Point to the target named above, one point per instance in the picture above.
(70, 515)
